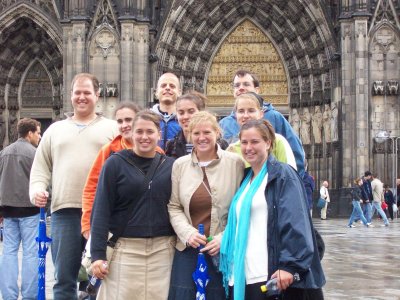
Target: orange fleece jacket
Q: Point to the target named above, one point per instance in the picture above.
(89, 191)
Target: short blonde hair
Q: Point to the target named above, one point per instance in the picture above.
(204, 117)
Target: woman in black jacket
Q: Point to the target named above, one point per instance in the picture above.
(357, 195)
(131, 201)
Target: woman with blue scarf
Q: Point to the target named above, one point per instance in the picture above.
(269, 233)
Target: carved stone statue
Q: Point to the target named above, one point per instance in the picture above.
(295, 121)
(334, 122)
(378, 87)
(317, 125)
(306, 127)
(392, 87)
(12, 128)
(326, 117)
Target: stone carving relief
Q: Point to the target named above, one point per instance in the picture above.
(108, 90)
(305, 127)
(37, 89)
(326, 117)
(247, 47)
(378, 87)
(295, 121)
(392, 87)
(317, 125)
(334, 122)
(12, 126)
(105, 42)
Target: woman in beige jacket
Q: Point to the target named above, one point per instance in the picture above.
(203, 184)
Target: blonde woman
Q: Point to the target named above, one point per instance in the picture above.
(203, 184)
(248, 107)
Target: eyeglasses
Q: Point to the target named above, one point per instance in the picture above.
(245, 84)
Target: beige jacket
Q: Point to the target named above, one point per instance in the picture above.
(224, 176)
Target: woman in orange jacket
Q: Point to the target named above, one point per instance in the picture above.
(124, 114)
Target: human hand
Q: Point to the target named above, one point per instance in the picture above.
(197, 239)
(212, 246)
(86, 234)
(285, 279)
(40, 198)
(99, 269)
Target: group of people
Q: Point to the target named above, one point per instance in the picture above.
(368, 195)
(145, 191)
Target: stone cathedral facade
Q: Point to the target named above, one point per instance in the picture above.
(332, 67)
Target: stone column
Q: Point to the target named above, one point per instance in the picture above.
(127, 54)
(141, 93)
(74, 57)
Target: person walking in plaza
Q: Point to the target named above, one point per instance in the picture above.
(367, 195)
(186, 106)
(324, 194)
(389, 200)
(377, 194)
(203, 184)
(168, 89)
(20, 216)
(357, 198)
(309, 185)
(269, 233)
(244, 82)
(135, 186)
(248, 106)
(63, 160)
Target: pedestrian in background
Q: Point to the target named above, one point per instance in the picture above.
(377, 194)
(324, 194)
(21, 217)
(357, 199)
(309, 185)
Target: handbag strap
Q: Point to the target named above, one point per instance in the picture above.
(146, 186)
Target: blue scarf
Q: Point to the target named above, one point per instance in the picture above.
(234, 244)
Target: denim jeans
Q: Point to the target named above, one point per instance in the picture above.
(66, 251)
(357, 213)
(377, 206)
(17, 230)
(367, 211)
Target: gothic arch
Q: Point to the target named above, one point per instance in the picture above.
(299, 30)
(27, 33)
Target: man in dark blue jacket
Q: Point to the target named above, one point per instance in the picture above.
(244, 82)
(367, 194)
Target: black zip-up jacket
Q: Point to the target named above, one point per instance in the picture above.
(357, 193)
(119, 182)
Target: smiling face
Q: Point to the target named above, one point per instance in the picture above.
(244, 84)
(84, 97)
(168, 89)
(124, 117)
(247, 109)
(145, 138)
(254, 148)
(204, 139)
(185, 109)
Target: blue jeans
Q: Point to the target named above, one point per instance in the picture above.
(17, 230)
(367, 211)
(66, 251)
(377, 206)
(357, 213)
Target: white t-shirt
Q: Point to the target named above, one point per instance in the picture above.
(256, 259)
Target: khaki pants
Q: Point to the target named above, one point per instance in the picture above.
(140, 269)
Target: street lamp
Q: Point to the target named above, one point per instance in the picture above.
(380, 138)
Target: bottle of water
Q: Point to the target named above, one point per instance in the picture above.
(271, 287)
(94, 283)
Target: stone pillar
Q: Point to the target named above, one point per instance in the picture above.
(141, 93)
(348, 98)
(74, 58)
(127, 54)
(363, 140)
